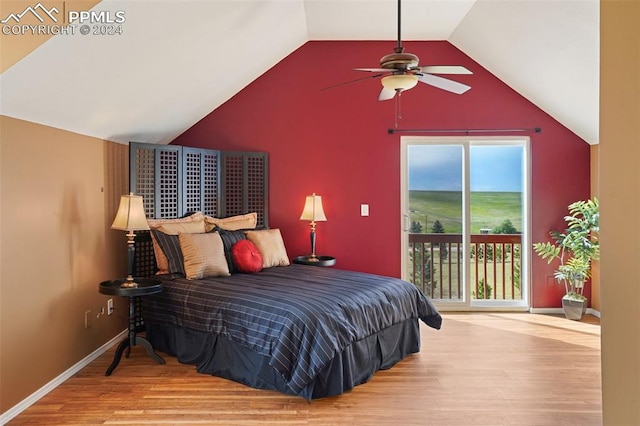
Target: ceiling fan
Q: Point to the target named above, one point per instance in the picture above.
(400, 71)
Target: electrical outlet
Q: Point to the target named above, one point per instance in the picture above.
(109, 306)
(87, 319)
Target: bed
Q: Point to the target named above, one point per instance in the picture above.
(301, 330)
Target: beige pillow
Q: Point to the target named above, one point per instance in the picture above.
(271, 247)
(196, 217)
(182, 228)
(203, 255)
(189, 224)
(233, 223)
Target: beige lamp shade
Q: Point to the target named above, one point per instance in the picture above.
(312, 210)
(400, 82)
(130, 215)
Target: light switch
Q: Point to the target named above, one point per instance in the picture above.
(364, 209)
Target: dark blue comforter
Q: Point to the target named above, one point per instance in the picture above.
(299, 316)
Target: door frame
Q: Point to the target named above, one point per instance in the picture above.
(525, 256)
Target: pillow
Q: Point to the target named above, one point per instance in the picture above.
(203, 255)
(271, 246)
(196, 217)
(182, 228)
(229, 238)
(170, 246)
(189, 224)
(233, 223)
(246, 257)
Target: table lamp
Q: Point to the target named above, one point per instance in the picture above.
(313, 212)
(130, 217)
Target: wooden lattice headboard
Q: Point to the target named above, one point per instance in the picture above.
(175, 180)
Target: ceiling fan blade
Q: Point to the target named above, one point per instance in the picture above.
(352, 81)
(386, 94)
(443, 83)
(445, 69)
(371, 69)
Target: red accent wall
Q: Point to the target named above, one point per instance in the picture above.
(336, 143)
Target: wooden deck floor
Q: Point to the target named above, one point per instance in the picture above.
(480, 369)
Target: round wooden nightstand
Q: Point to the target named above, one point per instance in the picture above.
(317, 261)
(146, 286)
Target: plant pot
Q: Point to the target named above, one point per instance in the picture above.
(574, 309)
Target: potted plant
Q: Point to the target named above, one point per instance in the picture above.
(574, 248)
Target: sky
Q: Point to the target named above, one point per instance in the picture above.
(439, 168)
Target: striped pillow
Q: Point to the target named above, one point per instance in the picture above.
(229, 238)
(170, 245)
(203, 255)
(189, 224)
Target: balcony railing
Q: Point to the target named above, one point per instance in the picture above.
(436, 261)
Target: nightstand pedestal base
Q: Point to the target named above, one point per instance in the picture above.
(145, 286)
(126, 344)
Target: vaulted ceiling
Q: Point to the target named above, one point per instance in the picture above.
(176, 61)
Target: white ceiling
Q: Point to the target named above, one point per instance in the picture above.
(168, 69)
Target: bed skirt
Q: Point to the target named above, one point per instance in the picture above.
(219, 356)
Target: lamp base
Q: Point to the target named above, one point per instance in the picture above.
(129, 283)
(131, 256)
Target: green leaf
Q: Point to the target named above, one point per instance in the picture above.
(576, 246)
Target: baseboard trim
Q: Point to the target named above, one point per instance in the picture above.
(548, 311)
(593, 312)
(559, 311)
(34, 397)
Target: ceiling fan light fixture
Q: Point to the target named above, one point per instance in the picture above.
(399, 82)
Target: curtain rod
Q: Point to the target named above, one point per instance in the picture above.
(467, 131)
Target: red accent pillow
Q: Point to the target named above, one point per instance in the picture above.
(246, 257)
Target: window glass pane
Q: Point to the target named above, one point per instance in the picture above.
(435, 210)
(496, 183)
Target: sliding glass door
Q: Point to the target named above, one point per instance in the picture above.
(465, 220)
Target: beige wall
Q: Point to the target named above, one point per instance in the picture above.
(58, 195)
(595, 192)
(620, 204)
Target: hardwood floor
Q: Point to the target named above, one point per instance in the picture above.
(480, 369)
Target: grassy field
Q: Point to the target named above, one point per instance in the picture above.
(488, 209)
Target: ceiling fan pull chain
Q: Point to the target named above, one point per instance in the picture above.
(395, 107)
(398, 106)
